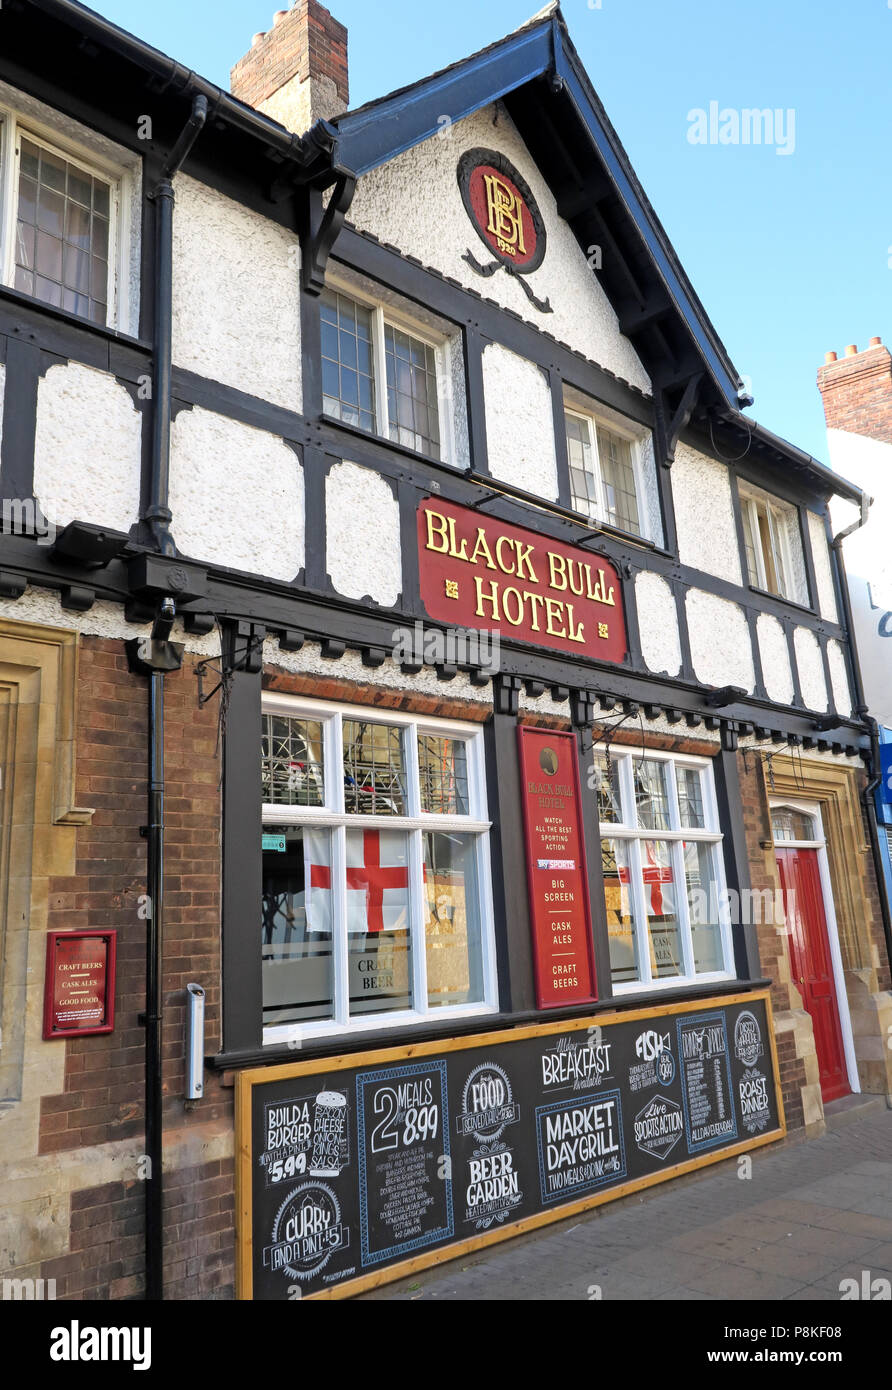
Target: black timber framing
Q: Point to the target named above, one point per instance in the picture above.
(242, 985)
(737, 872)
(514, 951)
(25, 364)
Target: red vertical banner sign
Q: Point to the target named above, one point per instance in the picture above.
(556, 870)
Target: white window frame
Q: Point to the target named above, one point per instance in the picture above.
(632, 835)
(602, 513)
(333, 816)
(750, 502)
(383, 314)
(13, 127)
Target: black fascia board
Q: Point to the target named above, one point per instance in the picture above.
(377, 132)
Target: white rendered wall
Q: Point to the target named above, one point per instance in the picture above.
(704, 514)
(362, 534)
(414, 203)
(237, 495)
(839, 678)
(775, 657)
(87, 448)
(519, 422)
(236, 295)
(657, 624)
(721, 653)
(811, 669)
(823, 573)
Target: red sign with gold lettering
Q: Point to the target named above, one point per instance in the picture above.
(79, 993)
(481, 573)
(556, 869)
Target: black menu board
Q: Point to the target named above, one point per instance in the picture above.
(354, 1167)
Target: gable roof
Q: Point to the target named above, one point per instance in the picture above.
(537, 72)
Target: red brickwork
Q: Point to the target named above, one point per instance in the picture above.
(102, 1098)
(304, 42)
(857, 393)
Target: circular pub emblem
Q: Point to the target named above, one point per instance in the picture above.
(506, 217)
(306, 1232)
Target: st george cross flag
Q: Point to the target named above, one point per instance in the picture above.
(377, 881)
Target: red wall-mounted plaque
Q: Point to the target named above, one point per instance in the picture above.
(478, 572)
(556, 870)
(79, 992)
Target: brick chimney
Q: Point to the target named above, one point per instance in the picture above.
(857, 391)
(296, 72)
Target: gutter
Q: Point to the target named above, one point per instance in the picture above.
(861, 709)
(832, 481)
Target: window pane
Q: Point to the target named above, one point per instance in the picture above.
(690, 798)
(702, 891)
(452, 923)
(411, 392)
(749, 541)
(620, 927)
(442, 766)
(583, 483)
(292, 761)
(296, 925)
(618, 473)
(72, 247)
(348, 384)
(380, 961)
(651, 793)
(609, 802)
(374, 775)
(659, 903)
(790, 824)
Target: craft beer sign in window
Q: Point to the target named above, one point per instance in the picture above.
(481, 573)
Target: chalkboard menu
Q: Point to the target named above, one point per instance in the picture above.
(357, 1169)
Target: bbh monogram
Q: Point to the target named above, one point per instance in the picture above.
(505, 211)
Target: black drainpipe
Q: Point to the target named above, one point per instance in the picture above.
(154, 657)
(873, 781)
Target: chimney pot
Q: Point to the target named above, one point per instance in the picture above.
(829, 356)
(857, 391)
(851, 350)
(279, 16)
(258, 38)
(876, 342)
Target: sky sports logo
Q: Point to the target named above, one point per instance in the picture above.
(77, 1343)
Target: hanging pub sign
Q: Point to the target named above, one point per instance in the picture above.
(79, 991)
(506, 217)
(478, 572)
(356, 1170)
(556, 870)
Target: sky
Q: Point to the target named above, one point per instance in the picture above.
(788, 245)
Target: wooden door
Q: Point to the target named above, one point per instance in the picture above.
(811, 963)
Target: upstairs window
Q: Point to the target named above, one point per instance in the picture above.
(773, 545)
(378, 375)
(604, 483)
(59, 225)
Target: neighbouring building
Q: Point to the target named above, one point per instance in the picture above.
(435, 796)
(856, 390)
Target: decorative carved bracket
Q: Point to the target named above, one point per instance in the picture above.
(323, 236)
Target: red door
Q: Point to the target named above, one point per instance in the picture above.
(800, 880)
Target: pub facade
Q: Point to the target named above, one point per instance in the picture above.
(435, 795)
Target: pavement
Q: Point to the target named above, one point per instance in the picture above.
(811, 1213)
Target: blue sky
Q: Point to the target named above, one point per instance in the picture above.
(791, 254)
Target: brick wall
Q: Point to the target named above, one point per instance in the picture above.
(857, 391)
(102, 1098)
(304, 42)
